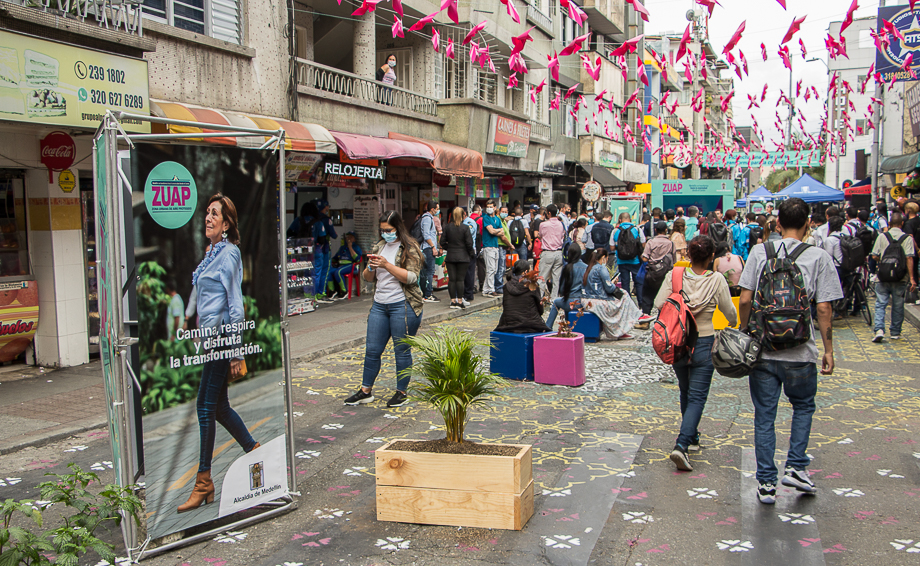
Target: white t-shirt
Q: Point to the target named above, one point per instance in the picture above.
(389, 290)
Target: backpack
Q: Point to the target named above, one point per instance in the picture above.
(516, 231)
(674, 332)
(854, 255)
(755, 232)
(781, 311)
(892, 267)
(656, 270)
(741, 236)
(867, 236)
(628, 245)
(416, 230)
(600, 235)
(718, 233)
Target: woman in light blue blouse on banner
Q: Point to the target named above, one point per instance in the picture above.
(218, 295)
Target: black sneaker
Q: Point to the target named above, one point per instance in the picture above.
(766, 493)
(323, 300)
(397, 400)
(799, 479)
(360, 398)
(680, 458)
(695, 445)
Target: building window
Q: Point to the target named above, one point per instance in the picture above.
(569, 129)
(534, 110)
(861, 127)
(455, 84)
(14, 251)
(485, 86)
(220, 19)
(571, 30)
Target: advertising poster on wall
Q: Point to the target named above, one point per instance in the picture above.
(890, 60)
(211, 362)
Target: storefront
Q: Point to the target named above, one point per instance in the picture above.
(53, 99)
(707, 195)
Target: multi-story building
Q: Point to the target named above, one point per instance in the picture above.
(446, 129)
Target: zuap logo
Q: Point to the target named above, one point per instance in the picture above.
(171, 195)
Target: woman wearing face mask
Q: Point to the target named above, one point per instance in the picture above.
(394, 265)
(387, 75)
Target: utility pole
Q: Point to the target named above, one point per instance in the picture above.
(877, 117)
(698, 134)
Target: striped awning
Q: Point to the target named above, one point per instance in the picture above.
(298, 136)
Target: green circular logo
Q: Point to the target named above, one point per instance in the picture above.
(171, 195)
(81, 94)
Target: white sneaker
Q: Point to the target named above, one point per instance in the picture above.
(879, 336)
(466, 303)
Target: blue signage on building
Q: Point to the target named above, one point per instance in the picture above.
(889, 61)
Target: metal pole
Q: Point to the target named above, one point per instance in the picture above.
(791, 109)
(877, 118)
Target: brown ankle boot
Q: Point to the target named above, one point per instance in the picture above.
(254, 447)
(203, 493)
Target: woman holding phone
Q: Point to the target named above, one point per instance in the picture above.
(394, 266)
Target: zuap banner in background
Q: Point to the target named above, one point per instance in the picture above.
(208, 298)
(888, 62)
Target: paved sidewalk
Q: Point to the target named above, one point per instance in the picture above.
(43, 405)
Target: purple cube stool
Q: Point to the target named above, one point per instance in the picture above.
(559, 361)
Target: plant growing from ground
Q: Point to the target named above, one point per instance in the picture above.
(451, 376)
(67, 543)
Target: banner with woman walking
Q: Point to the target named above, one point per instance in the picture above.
(209, 361)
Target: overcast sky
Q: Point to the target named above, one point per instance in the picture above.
(767, 22)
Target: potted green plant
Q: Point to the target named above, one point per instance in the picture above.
(452, 481)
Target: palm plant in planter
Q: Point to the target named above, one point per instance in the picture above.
(449, 481)
(453, 377)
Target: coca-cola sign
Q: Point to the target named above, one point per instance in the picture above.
(58, 151)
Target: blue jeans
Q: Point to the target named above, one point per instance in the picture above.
(395, 321)
(895, 293)
(627, 271)
(321, 271)
(214, 405)
(799, 380)
(521, 251)
(558, 304)
(500, 274)
(694, 376)
(426, 279)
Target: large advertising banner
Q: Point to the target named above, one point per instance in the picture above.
(46, 82)
(210, 364)
(706, 194)
(889, 61)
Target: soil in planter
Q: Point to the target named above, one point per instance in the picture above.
(444, 446)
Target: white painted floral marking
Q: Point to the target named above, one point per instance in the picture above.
(638, 517)
(887, 473)
(629, 474)
(311, 392)
(101, 466)
(119, 561)
(327, 513)
(557, 493)
(376, 440)
(796, 518)
(848, 492)
(389, 416)
(353, 471)
(393, 543)
(845, 441)
(702, 493)
(561, 541)
(907, 545)
(307, 454)
(231, 537)
(79, 448)
(333, 426)
(9, 481)
(736, 545)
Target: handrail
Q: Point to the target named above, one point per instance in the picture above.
(127, 14)
(540, 131)
(536, 16)
(329, 79)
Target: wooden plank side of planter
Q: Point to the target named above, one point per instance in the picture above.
(464, 472)
(455, 507)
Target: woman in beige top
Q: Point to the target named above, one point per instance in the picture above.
(704, 291)
(680, 242)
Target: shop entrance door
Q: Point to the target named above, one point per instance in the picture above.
(390, 197)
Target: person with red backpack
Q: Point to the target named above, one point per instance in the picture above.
(779, 282)
(701, 291)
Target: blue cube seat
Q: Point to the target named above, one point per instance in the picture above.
(589, 325)
(512, 355)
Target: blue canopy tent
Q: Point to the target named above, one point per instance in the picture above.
(811, 191)
(761, 195)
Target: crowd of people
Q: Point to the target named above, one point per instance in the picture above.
(621, 272)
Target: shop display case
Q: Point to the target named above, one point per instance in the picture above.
(89, 240)
(18, 288)
(300, 273)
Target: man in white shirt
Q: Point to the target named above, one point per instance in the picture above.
(821, 231)
(893, 292)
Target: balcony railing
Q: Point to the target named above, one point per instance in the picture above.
(535, 16)
(540, 131)
(127, 14)
(671, 120)
(335, 81)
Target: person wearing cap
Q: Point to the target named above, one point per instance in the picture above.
(343, 263)
(321, 257)
(430, 250)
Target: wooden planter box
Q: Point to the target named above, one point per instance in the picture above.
(463, 490)
(559, 361)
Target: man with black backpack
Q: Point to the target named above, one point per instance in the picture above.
(780, 280)
(894, 251)
(627, 241)
(517, 230)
